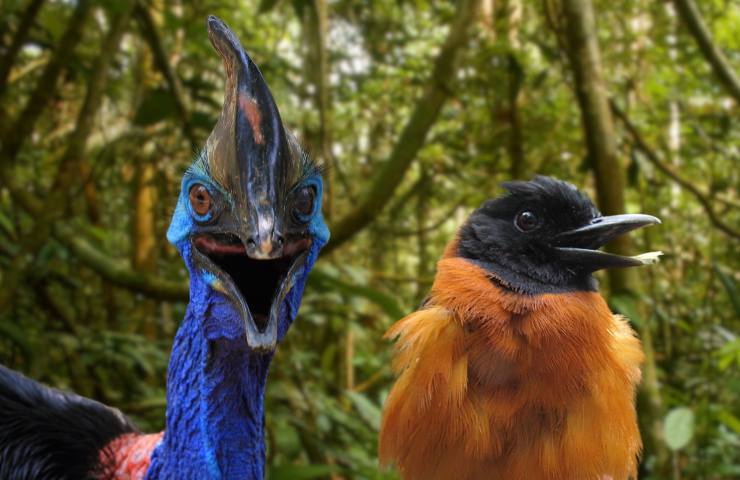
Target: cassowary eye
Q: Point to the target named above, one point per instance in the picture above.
(304, 201)
(526, 221)
(200, 199)
(304, 198)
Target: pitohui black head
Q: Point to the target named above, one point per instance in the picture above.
(543, 236)
(248, 222)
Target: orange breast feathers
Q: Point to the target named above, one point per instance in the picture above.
(496, 385)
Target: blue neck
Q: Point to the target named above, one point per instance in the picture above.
(216, 384)
(215, 393)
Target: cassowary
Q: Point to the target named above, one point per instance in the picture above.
(514, 367)
(249, 227)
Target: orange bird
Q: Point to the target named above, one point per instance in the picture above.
(514, 367)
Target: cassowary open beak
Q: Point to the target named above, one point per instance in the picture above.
(248, 155)
(579, 247)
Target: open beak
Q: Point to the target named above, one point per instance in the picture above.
(255, 286)
(252, 262)
(579, 247)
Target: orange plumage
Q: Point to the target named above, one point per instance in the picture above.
(495, 384)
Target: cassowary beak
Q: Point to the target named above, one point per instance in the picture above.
(579, 247)
(248, 154)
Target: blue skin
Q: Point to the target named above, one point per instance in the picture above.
(215, 383)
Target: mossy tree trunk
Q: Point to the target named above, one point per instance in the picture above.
(603, 156)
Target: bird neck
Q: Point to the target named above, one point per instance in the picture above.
(516, 275)
(215, 393)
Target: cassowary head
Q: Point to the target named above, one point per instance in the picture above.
(248, 221)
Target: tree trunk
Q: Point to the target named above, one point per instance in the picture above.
(14, 136)
(414, 133)
(598, 129)
(316, 25)
(21, 34)
(515, 78)
(67, 173)
(422, 213)
(722, 69)
(143, 232)
(143, 235)
(150, 31)
(518, 164)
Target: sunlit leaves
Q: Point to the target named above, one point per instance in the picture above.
(679, 427)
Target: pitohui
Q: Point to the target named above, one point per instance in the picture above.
(514, 367)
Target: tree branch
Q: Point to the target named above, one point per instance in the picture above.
(67, 169)
(722, 69)
(316, 27)
(582, 44)
(117, 272)
(151, 35)
(13, 137)
(414, 133)
(584, 56)
(27, 18)
(67, 172)
(653, 158)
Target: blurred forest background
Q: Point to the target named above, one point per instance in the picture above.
(420, 109)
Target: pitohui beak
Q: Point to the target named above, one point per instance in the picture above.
(578, 247)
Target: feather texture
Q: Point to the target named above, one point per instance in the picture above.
(48, 434)
(496, 384)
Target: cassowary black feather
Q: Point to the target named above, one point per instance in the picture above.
(48, 434)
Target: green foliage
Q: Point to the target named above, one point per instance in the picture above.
(679, 427)
(68, 326)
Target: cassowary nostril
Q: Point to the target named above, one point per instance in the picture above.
(279, 240)
(251, 243)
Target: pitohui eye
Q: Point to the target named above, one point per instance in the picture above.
(303, 201)
(526, 221)
(200, 199)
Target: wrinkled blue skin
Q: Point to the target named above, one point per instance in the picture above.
(215, 383)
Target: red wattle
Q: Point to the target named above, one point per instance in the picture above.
(131, 455)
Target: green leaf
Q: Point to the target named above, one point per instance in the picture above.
(729, 283)
(679, 427)
(729, 420)
(323, 281)
(157, 105)
(18, 337)
(728, 354)
(300, 472)
(6, 224)
(625, 305)
(267, 5)
(367, 409)
(202, 120)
